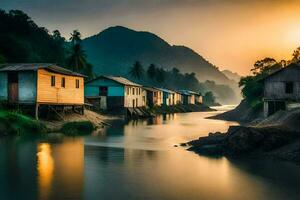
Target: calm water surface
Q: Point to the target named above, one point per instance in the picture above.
(138, 160)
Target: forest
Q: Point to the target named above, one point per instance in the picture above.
(23, 41)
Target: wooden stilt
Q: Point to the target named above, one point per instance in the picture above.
(82, 112)
(37, 111)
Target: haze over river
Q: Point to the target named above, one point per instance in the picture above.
(138, 160)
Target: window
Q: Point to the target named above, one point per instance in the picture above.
(102, 91)
(127, 90)
(289, 87)
(77, 83)
(133, 90)
(63, 82)
(52, 81)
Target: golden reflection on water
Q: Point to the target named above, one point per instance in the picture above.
(60, 168)
(45, 167)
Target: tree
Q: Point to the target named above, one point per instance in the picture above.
(77, 59)
(151, 72)
(137, 70)
(175, 71)
(209, 99)
(2, 59)
(160, 75)
(265, 66)
(75, 37)
(57, 36)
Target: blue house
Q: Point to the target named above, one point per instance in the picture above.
(114, 92)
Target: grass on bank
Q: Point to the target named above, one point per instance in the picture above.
(77, 128)
(13, 123)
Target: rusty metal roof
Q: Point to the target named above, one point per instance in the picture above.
(35, 66)
(152, 89)
(118, 79)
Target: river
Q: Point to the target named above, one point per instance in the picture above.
(138, 160)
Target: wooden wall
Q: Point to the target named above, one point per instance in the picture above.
(56, 94)
(136, 94)
(27, 86)
(275, 85)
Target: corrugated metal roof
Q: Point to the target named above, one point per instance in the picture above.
(166, 90)
(188, 92)
(36, 66)
(117, 79)
(152, 89)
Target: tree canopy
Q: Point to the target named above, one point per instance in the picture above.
(137, 70)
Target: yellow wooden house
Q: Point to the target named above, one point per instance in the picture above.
(40, 84)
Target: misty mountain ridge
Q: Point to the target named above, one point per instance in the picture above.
(232, 75)
(115, 49)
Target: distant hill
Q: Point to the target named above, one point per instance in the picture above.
(232, 75)
(115, 49)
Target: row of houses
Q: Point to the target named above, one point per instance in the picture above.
(48, 84)
(111, 92)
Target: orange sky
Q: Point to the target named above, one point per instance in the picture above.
(231, 34)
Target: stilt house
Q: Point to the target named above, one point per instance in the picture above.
(114, 93)
(40, 84)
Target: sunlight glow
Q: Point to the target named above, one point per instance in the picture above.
(45, 167)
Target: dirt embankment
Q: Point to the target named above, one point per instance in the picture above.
(277, 136)
(243, 113)
(96, 119)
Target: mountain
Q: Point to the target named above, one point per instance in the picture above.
(232, 75)
(114, 50)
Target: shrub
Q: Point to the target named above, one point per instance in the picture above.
(12, 123)
(77, 128)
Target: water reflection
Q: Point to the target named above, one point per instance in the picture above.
(45, 167)
(137, 160)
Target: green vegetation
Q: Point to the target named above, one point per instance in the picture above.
(12, 123)
(252, 86)
(137, 70)
(77, 128)
(21, 40)
(209, 99)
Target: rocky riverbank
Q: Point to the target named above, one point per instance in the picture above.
(276, 137)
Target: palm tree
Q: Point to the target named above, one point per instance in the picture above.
(160, 75)
(151, 72)
(77, 58)
(75, 37)
(137, 70)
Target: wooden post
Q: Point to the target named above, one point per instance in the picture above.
(37, 111)
(82, 110)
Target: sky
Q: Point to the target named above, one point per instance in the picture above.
(232, 34)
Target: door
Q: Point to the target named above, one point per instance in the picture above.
(13, 89)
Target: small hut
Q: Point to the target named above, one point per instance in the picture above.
(282, 90)
(40, 84)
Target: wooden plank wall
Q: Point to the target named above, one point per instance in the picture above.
(48, 94)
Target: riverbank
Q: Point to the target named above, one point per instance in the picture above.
(14, 123)
(243, 114)
(276, 137)
(180, 108)
(158, 110)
